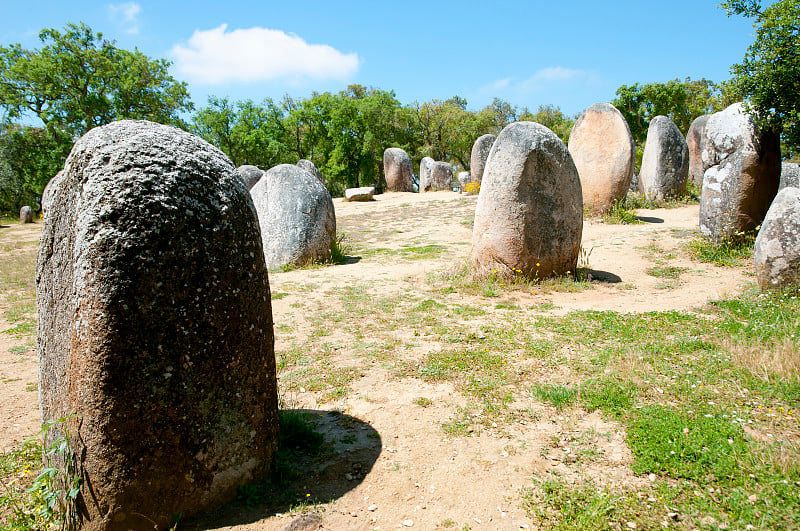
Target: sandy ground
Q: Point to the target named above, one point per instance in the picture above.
(397, 467)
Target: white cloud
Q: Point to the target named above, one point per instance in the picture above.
(255, 54)
(128, 14)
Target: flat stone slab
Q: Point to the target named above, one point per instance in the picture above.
(365, 193)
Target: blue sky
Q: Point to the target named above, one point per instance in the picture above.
(566, 53)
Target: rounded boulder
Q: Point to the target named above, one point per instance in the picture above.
(604, 153)
(397, 168)
(529, 214)
(296, 215)
(777, 248)
(478, 156)
(665, 163)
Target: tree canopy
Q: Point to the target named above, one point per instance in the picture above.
(769, 74)
(76, 81)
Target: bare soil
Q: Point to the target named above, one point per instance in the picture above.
(389, 462)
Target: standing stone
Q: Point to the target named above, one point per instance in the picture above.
(790, 175)
(425, 166)
(604, 153)
(26, 215)
(480, 152)
(529, 215)
(694, 141)
(155, 327)
(397, 168)
(463, 179)
(311, 168)
(50, 190)
(777, 248)
(295, 211)
(665, 163)
(742, 172)
(249, 175)
(441, 177)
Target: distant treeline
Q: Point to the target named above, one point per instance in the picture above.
(78, 80)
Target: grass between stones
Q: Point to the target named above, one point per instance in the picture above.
(707, 402)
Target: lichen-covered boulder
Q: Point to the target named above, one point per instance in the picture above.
(777, 248)
(742, 171)
(665, 163)
(425, 166)
(364, 193)
(604, 153)
(311, 168)
(155, 327)
(397, 168)
(249, 175)
(441, 177)
(694, 141)
(26, 215)
(478, 156)
(529, 214)
(295, 211)
(790, 175)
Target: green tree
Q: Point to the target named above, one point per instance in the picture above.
(769, 74)
(681, 101)
(76, 81)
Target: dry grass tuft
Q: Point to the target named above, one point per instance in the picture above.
(780, 361)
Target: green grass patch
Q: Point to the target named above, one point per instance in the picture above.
(671, 272)
(558, 396)
(728, 253)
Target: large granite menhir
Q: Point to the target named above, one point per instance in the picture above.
(665, 163)
(296, 215)
(776, 253)
(529, 215)
(155, 327)
(604, 153)
(441, 177)
(742, 169)
(478, 155)
(397, 169)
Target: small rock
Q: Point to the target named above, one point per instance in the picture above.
(408, 523)
(651, 477)
(372, 507)
(348, 477)
(752, 498)
(631, 525)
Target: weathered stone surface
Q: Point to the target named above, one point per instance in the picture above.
(311, 168)
(365, 193)
(777, 248)
(249, 175)
(604, 153)
(665, 163)
(463, 178)
(397, 168)
(790, 175)
(155, 326)
(480, 152)
(742, 172)
(529, 215)
(425, 166)
(441, 177)
(26, 215)
(49, 191)
(694, 141)
(295, 211)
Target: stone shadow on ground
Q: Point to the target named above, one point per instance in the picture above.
(648, 219)
(348, 452)
(604, 276)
